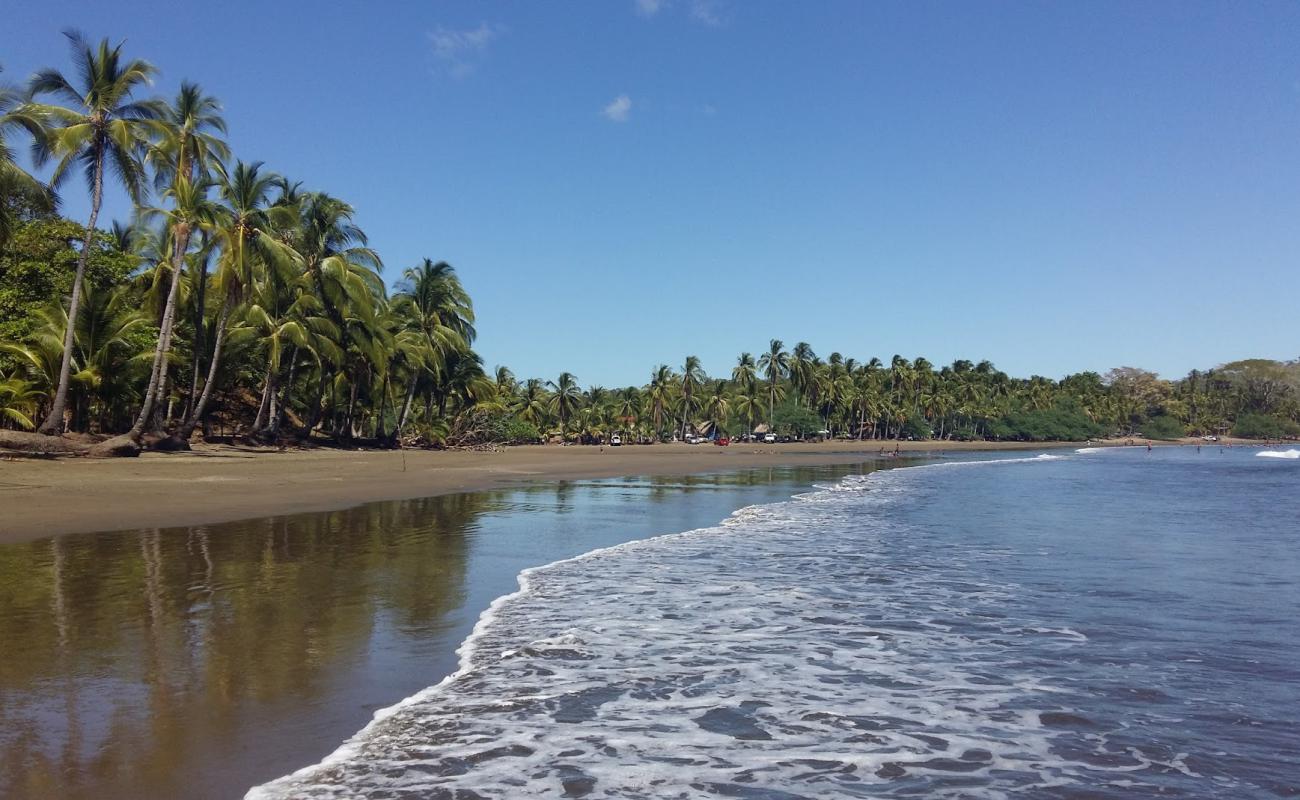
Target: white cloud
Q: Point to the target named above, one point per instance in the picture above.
(708, 109)
(648, 8)
(707, 12)
(460, 52)
(618, 109)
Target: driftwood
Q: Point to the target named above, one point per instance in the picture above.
(38, 444)
(117, 447)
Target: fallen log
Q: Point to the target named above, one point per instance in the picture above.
(38, 444)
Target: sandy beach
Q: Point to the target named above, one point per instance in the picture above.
(219, 483)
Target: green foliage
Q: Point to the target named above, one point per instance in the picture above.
(1062, 422)
(1262, 426)
(513, 430)
(794, 420)
(1163, 427)
(917, 427)
(38, 265)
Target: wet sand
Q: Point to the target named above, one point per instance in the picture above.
(219, 483)
(194, 662)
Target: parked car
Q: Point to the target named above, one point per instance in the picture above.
(769, 438)
(616, 441)
(722, 441)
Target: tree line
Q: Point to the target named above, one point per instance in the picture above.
(236, 301)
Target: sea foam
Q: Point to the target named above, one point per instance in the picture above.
(1279, 453)
(809, 648)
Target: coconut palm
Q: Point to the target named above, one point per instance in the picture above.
(659, 395)
(627, 404)
(717, 404)
(533, 402)
(692, 377)
(189, 210)
(104, 125)
(245, 233)
(105, 348)
(801, 370)
(344, 272)
(775, 364)
(435, 306)
(15, 183)
(749, 404)
(187, 143)
(745, 373)
(18, 400)
(566, 398)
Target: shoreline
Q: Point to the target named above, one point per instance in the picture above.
(222, 483)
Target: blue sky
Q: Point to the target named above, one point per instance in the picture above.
(1052, 186)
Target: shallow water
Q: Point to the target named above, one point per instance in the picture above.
(1094, 624)
(196, 662)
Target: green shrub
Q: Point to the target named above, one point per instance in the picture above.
(795, 420)
(1064, 422)
(1264, 426)
(1163, 427)
(917, 427)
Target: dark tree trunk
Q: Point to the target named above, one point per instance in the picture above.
(53, 424)
(200, 406)
(179, 246)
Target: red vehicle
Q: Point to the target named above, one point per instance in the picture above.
(722, 441)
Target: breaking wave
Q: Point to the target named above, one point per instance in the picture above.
(809, 648)
(1279, 453)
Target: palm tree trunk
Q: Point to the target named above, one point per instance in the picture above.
(196, 413)
(406, 409)
(53, 424)
(317, 407)
(278, 408)
(200, 301)
(181, 243)
(264, 407)
(346, 429)
(383, 408)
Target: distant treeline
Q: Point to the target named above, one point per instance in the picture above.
(237, 302)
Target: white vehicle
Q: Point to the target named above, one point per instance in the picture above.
(769, 438)
(616, 441)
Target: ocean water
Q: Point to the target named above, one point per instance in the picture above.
(1120, 623)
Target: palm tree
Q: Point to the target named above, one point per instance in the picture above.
(718, 404)
(188, 137)
(749, 403)
(802, 362)
(745, 373)
(104, 124)
(344, 273)
(191, 209)
(245, 235)
(692, 377)
(436, 306)
(566, 397)
(507, 385)
(627, 404)
(187, 143)
(533, 402)
(775, 364)
(14, 182)
(104, 350)
(658, 395)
